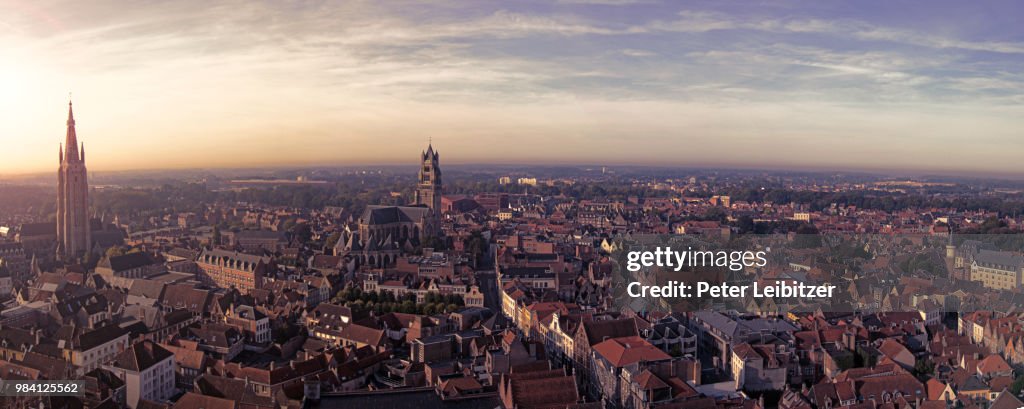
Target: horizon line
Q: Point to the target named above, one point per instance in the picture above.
(878, 172)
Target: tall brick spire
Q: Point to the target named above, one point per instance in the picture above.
(74, 237)
(71, 139)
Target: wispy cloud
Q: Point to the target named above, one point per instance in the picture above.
(703, 21)
(632, 52)
(605, 2)
(242, 82)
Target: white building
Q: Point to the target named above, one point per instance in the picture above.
(91, 349)
(148, 372)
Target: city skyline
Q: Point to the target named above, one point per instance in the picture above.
(791, 85)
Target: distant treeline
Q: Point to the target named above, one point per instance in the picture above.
(354, 196)
(878, 200)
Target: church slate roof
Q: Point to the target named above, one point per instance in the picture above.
(394, 214)
(38, 229)
(127, 261)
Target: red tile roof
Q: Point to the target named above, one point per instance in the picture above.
(993, 364)
(648, 381)
(196, 401)
(539, 390)
(624, 351)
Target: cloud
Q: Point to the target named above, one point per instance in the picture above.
(604, 2)
(364, 81)
(632, 52)
(705, 21)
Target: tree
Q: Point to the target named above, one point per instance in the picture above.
(716, 214)
(284, 332)
(427, 309)
(302, 232)
(745, 224)
(1017, 385)
(807, 237)
(476, 247)
(434, 243)
(332, 241)
(923, 367)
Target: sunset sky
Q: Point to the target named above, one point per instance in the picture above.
(927, 85)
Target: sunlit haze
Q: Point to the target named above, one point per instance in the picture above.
(843, 85)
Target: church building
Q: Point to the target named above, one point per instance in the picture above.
(386, 232)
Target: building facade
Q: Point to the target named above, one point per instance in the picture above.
(147, 370)
(998, 269)
(227, 269)
(90, 349)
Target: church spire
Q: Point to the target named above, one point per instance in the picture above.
(71, 139)
(428, 191)
(430, 154)
(73, 236)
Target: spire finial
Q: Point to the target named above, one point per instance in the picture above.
(71, 113)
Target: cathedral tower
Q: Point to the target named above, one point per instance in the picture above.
(428, 191)
(73, 237)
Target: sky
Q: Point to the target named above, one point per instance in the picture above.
(924, 85)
